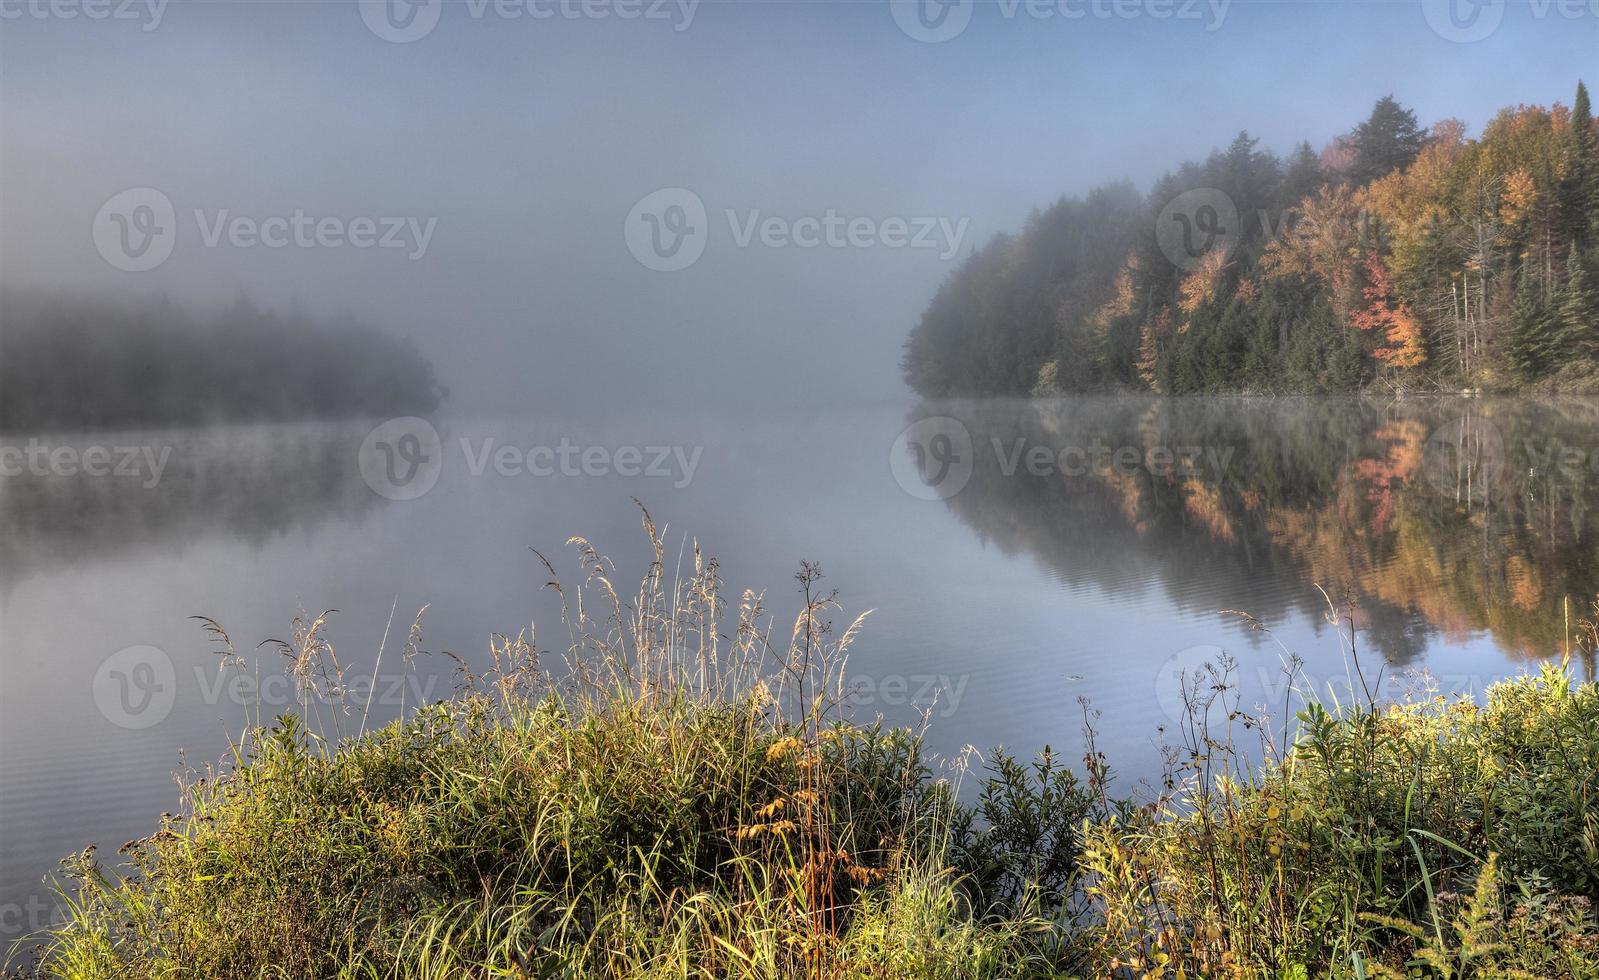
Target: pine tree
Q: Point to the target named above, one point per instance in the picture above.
(1303, 176)
(1532, 342)
(1579, 309)
(1388, 140)
(1580, 188)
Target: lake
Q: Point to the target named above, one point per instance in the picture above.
(1021, 558)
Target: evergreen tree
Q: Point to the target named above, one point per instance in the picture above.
(1388, 140)
(1579, 308)
(1532, 343)
(1303, 176)
(1580, 188)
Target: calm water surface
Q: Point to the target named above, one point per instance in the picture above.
(1019, 556)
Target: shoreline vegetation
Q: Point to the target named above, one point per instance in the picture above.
(688, 797)
(74, 363)
(1397, 258)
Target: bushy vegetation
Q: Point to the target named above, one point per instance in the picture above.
(687, 800)
(70, 363)
(1397, 255)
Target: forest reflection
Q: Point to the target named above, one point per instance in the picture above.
(247, 483)
(1442, 516)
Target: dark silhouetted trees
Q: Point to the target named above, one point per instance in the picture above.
(79, 364)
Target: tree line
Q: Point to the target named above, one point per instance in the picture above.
(74, 363)
(1397, 255)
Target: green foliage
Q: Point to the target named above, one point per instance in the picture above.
(1350, 854)
(1535, 330)
(1579, 305)
(1025, 853)
(664, 812)
(1388, 140)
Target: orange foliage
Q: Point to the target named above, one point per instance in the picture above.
(1398, 324)
(1200, 286)
(1204, 504)
(1321, 245)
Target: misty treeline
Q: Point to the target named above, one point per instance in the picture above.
(1397, 255)
(77, 363)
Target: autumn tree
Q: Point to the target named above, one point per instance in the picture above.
(1321, 245)
(1391, 320)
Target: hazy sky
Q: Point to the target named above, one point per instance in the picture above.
(520, 145)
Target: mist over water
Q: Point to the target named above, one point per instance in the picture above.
(1088, 550)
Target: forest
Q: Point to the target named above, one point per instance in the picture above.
(1398, 257)
(70, 362)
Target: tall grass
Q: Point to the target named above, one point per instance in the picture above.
(686, 796)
